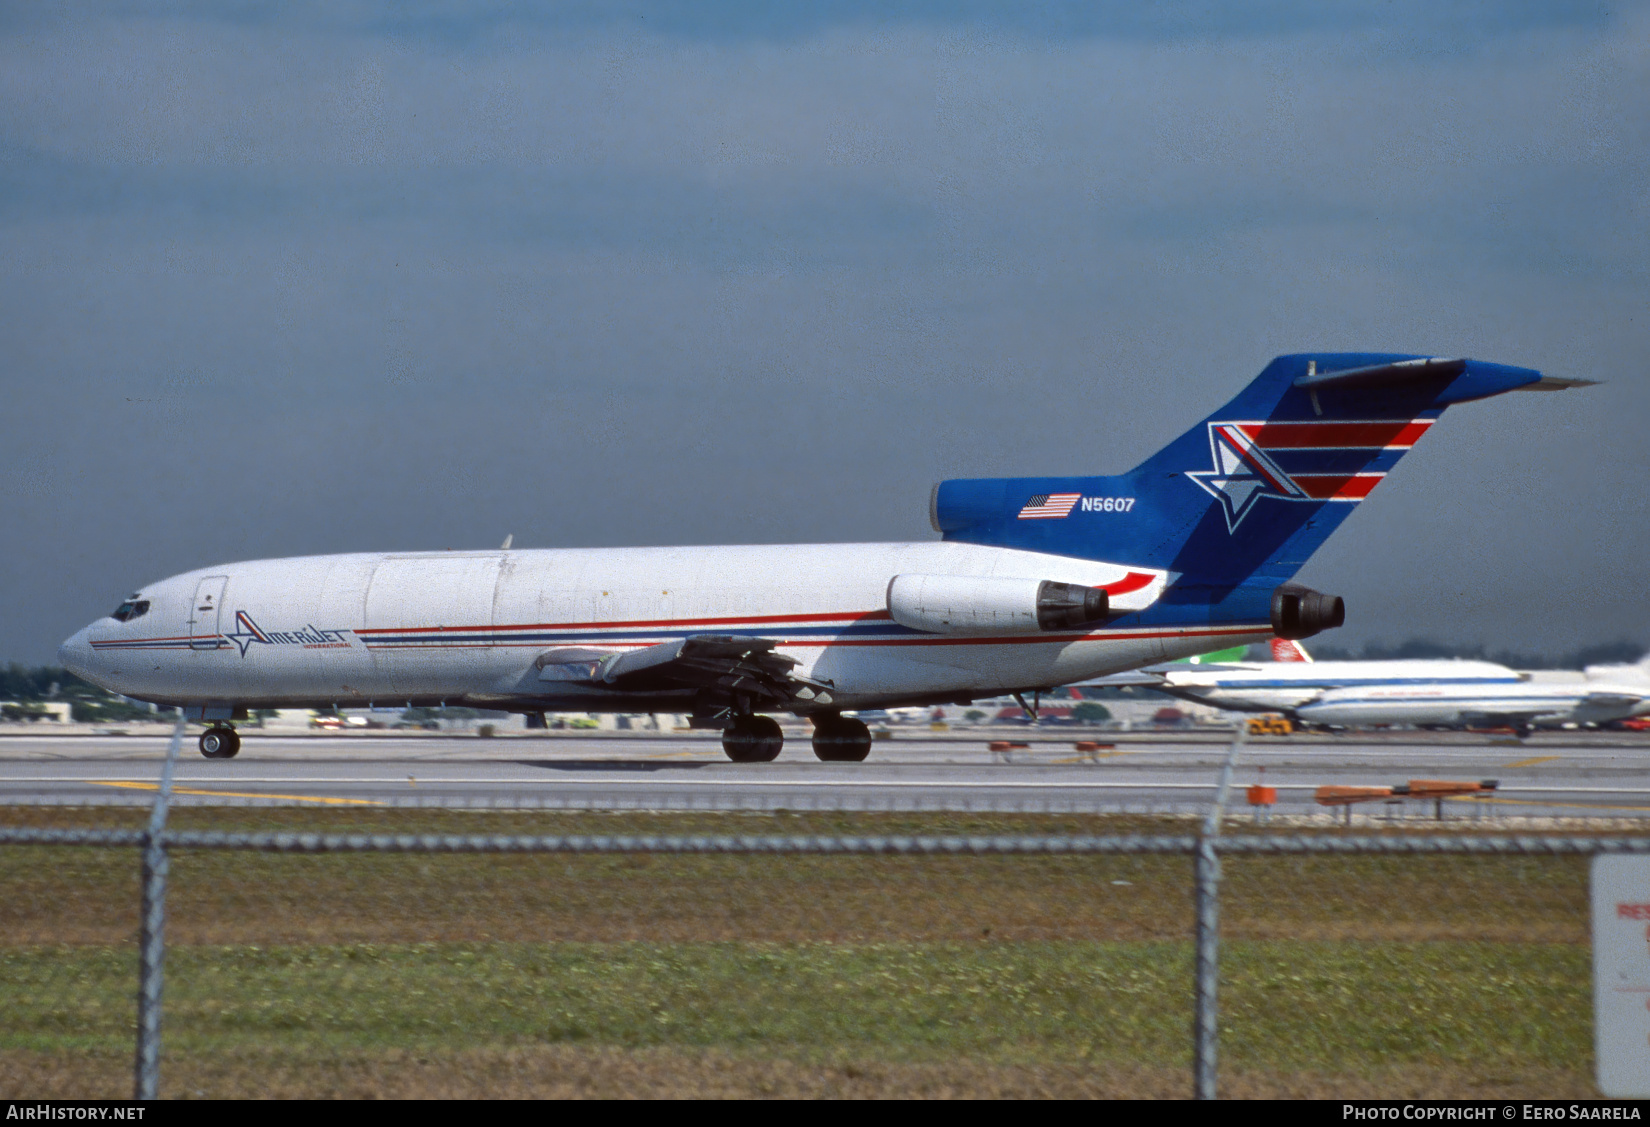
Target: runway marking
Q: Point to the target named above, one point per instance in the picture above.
(893, 784)
(1532, 762)
(1176, 786)
(800, 781)
(238, 794)
(632, 783)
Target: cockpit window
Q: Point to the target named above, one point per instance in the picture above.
(131, 609)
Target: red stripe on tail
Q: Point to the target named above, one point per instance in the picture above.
(1336, 436)
(1338, 487)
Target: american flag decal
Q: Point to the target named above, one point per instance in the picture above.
(1050, 506)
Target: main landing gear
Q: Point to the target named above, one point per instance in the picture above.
(841, 739)
(220, 743)
(753, 739)
(837, 739)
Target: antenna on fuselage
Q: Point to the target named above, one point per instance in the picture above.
(505, 547)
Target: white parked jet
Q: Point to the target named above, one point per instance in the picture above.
(1293, 680)
(1036, 582)
(1532, 703)
(1529, 703)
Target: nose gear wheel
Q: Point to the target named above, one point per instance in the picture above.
(220, 743)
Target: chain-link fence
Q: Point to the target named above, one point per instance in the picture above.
(430, 952)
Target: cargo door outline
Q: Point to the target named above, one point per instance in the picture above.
(428, 621)
(205, 613)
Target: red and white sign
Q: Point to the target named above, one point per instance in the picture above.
(1621, 974)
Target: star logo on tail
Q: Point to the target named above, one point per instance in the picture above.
(1243, 474)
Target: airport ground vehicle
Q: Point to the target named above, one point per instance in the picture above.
(1271, 724)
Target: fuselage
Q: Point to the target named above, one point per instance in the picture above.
(466, 627)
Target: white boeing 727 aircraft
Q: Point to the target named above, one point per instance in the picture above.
(1036, 582)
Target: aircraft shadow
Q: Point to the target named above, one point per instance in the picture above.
(613, 765)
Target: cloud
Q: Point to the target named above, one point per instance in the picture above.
(774, 219)
(962, 143)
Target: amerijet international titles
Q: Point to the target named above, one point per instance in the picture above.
(1035, 582)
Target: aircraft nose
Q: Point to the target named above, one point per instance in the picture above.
(75, 654)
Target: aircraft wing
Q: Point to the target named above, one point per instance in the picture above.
(1495, 716)
(725, 665)
(1143, 677)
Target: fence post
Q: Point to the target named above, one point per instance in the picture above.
(1206, 973)
(1205, 1028)
(152, 930)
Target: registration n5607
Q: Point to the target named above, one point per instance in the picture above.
(1107, 504)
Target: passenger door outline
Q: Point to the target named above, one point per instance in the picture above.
(205, 613)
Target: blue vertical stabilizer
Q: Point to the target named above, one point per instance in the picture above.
(1246, 496)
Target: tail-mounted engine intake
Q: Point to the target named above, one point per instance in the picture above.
(1300, 612)
(966, 604)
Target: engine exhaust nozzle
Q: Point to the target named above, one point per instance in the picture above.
(1300, 612)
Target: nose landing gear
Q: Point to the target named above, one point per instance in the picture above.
(220, 743)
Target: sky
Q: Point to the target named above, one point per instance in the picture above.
(286, 279)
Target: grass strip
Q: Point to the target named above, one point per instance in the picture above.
(633, 974)
(78, 895)
(1345, 1008)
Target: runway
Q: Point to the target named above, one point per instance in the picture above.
(1560, 775)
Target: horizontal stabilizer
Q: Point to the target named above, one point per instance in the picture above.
(1557, 383)
(1383, 375)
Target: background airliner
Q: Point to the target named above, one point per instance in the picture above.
(1295, 680)
(1605, 694)
(1446, 694)
(1036, 582)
